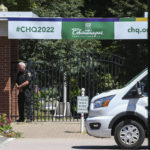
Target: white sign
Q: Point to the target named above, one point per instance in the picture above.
(34, 29)
(82, 104)
(131, 30)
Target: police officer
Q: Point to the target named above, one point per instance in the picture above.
(24, 97)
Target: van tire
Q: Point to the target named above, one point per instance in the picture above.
(129, 134)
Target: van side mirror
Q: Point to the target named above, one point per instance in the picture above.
(139, 89)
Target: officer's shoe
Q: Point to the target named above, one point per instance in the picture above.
(20, 120)
(28, 120)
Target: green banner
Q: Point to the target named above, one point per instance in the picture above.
(88, 30)
(78, 28)
(127, 19)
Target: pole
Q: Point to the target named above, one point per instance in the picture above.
(82, 114)
(65, 87)
(82, 122)
(148, 73)
(65, 92)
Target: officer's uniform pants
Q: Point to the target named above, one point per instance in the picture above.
(24, 103)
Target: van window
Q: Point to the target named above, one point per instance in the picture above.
(144, 86)
(133, 92)
(135, 77)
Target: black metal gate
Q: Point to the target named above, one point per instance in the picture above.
(56, 84)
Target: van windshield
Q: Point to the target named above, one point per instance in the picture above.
(135, 77)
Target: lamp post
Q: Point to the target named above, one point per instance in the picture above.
(2, 7)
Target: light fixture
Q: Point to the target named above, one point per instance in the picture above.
(2, 7)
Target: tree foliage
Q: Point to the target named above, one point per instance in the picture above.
(58, 8)
(128, 8)
(18, 5)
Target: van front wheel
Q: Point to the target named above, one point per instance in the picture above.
(129, 134)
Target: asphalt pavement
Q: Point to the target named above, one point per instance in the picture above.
(57, 136)
(2, 139)
(62, 144)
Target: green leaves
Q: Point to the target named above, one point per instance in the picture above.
(45, 50)
(58, 8)
(5, 127)
(17, 5)
(128, 8)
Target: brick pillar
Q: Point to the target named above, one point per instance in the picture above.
(5, 80)
(14, 66)
(8, 54)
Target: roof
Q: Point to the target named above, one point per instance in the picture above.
(21, 14)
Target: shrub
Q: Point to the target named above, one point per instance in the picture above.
(6, 129)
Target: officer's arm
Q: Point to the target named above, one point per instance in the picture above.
(23, 84)
(17, 81)
(27, 82)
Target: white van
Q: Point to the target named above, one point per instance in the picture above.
(122, 113)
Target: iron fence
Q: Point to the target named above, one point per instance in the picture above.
(57, 83)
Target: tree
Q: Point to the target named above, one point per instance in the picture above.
(17, 5)
(97, 8)
(58, 8)
(128, 8)
(113, 8)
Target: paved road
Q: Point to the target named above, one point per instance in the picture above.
(57, 136)
(2, 139)
(61, 144)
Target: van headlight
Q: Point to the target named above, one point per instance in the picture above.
(103, 102)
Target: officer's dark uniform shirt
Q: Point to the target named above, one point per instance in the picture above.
(24, 97)
(22, 77)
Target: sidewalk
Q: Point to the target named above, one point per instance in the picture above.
(50, 130)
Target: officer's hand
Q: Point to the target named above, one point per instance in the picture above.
(17, 86)
(20, 90)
